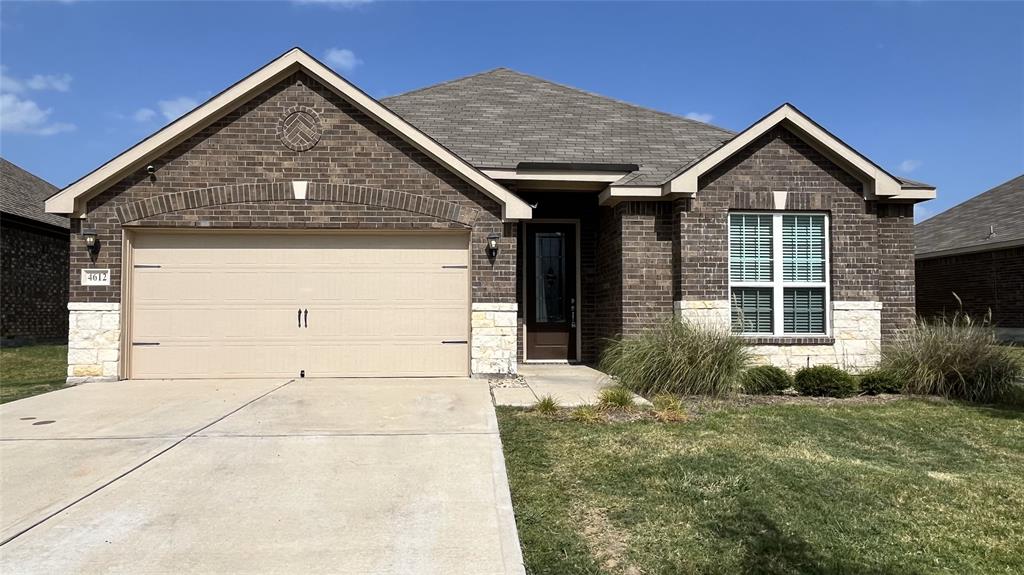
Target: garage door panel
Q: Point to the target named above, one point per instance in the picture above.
(224, 305)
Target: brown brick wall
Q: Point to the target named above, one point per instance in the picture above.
(244, 148)
(33, 281)
(647, 239)
(992, 280)
(781, 161)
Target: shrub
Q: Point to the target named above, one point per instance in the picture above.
(765, 380)
(875, 381)
(954, 357)
(616, 397)
(668, 407)
(825, 381)
(546, 405)
(586, 414)
(677, 357)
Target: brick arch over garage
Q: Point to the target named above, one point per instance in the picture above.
(283, 191)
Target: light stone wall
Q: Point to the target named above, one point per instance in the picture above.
(94, 341)
(493, 345)
(856, 329)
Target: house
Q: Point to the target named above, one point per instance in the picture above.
(34, 258)
(970, 258)
(294, 225)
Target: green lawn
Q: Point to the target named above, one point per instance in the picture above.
(31, 370)
(899, 487)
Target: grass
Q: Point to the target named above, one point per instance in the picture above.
(906, 486)
(31, 370)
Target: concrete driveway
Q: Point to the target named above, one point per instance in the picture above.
(308, 476)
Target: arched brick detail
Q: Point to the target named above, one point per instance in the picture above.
(281, 191)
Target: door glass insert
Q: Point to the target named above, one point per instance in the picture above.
(549, 271)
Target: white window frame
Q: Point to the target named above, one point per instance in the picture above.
(777, 284)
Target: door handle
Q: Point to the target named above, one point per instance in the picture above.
(572, 313)
(300, 317)
(305, 317)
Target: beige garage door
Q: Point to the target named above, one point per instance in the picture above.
(270, 305)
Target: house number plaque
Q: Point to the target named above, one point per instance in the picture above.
(96, 277)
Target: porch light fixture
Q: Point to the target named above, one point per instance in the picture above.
(90, 239)
(492, 244)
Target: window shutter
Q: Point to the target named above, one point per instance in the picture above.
(752, 310)
(803, 248)
(750, 247)
(803, 310)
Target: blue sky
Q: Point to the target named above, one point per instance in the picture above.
(931, 91)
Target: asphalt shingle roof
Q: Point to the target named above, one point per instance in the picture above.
(499, 118)
(966, 225)
(23, 194)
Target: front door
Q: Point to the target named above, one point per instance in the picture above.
(551, 305)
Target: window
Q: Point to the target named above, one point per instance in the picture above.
(778, 273)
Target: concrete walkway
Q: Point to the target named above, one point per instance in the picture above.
(571, 385)
(310, 476)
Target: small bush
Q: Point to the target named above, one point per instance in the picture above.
(765, 380)
(825, 381)
(677, 357)
(586, 414)
(668, 407)
(616, 397)
(546, 405)
(956, 357)
(876, 381)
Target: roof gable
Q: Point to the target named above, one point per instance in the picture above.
(72, 198)
(23, 194)
(878, 182)
(990, 220)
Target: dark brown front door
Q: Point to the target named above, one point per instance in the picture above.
(551, 291)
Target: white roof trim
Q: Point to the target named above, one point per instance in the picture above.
(613, 195)
(878, 182)
(71, 200)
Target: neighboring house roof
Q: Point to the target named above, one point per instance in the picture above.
(990, 220)
(72, 198)
(500, 118)
(23, 194)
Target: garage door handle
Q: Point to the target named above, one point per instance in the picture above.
(300, 317)
(305, 317)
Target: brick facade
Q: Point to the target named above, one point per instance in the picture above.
(34, 284)
(984, 281)
(235, 174)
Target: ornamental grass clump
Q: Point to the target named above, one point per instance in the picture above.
(677, 357)
(616, 397)
(954, 357)
(546, 405)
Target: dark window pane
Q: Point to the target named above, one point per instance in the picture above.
(549, 258)
(752, 310)
(803, 310)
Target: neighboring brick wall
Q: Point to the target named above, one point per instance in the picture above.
(244, 148)
(992, 280)
(781, 161)
(608, 284)
(647, 240)
(33, 281)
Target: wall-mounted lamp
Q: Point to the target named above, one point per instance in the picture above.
(90, 239)
(492, 244)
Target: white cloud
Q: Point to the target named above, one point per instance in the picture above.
(60, 83)
(700, 117)
(26, 117)
(173, 109)
(342, 59)
(907, 166)
(143, 115)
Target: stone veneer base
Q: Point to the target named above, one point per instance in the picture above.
(94, 342)
(493, 345)
(856, 331)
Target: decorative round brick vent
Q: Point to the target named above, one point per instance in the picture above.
(300, 128)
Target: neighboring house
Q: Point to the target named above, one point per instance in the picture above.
(975, 250)
(294, 224)
(34, 260)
